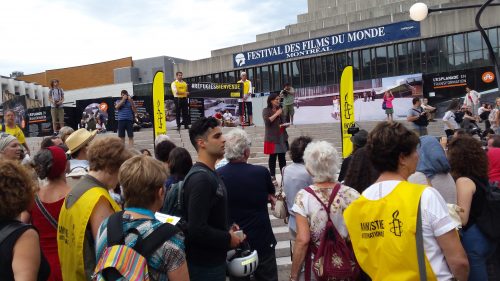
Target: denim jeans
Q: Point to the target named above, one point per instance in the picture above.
(207, 273)
(478, 248)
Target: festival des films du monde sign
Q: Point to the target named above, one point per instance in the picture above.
(337, 42)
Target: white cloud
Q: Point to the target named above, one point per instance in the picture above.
(43, 34)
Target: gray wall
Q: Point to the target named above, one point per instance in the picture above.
(148, 67)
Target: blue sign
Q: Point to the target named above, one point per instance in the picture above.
(369, 36)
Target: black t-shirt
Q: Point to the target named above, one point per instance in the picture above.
(477, 203)
(248, 187)
(7, 249)
(205, 208)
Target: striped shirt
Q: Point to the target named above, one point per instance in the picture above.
(169, 257)
(125, 112)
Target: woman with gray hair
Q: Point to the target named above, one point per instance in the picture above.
(322, 162)
(249, 190)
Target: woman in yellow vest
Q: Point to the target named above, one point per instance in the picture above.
(391, 215)
(86, 206)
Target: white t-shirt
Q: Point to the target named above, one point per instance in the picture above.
(436, 221)
(450, 117)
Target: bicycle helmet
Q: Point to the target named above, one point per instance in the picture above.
(242, 261)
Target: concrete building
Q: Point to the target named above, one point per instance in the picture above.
(445, 41)
(36, 94)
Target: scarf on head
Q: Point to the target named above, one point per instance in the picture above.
(5, 139)
(432, 158)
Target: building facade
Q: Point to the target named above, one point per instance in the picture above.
(446, 41)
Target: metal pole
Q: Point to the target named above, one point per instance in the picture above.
(487, 40)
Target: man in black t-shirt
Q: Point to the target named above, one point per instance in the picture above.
(209, 236)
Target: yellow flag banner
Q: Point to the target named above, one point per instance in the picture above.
(160, 122)
(346, 109)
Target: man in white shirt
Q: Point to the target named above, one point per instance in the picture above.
(472, 99)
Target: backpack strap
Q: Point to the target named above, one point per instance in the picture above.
(193, 170)
(330, 201)
(154, 240)
(45, 212)
(420, 245)
(115, 229)
(10, 229)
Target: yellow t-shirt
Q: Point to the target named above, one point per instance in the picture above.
(16, 132)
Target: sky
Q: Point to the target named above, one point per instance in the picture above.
(39, 35)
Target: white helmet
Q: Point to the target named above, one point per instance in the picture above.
(242, 261)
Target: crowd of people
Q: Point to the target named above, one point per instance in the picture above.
(403, 206)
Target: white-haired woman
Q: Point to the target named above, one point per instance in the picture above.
(322, 162)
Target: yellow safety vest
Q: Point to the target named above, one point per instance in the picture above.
(246, 86)
(383, 234)
(181, 87)
(71, 232)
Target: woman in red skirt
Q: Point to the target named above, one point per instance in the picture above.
(276, 138)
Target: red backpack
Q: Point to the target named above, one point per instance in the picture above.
(334, 258)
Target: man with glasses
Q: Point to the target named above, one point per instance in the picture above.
(11, 128)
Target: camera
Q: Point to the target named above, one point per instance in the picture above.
(353, 130)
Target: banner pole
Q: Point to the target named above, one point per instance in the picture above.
(346, 101)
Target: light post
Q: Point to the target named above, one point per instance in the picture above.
(419, 11)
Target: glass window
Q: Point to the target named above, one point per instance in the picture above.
(493, 36)
(319, 72)
(355, 65)
(402, 50)
(391, 61)
(250, 74)
(474, 41)
(285, 78)
(478, 58)
(306, 73)
(459, 61)
(417, 62)
(431, 56)
(258, 80)
(458, 43)
(208, 78)
(231, 77)
(366, 64)
(323, 70)
(295, 73)
(330, 69)
(266, 83)
(381, 61)
(276, 77)
(217, 78)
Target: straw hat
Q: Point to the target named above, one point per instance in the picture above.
(79, 139)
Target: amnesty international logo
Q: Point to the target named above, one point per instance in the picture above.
(348, 112)
(239, 59)
(396, 224)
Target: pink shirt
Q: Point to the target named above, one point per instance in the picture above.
(388, 101)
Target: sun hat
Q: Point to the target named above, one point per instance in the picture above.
(360, 138)
(79, 139)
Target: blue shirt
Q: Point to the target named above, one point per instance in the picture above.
(125, 112)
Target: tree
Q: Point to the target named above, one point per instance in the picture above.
(16, 74)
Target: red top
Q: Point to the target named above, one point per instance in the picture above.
(494, 164)
(48, 236)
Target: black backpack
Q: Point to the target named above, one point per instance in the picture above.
(488, 219)
(173, 203)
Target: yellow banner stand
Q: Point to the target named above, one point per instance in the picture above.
(160, 121)
(346, 109)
